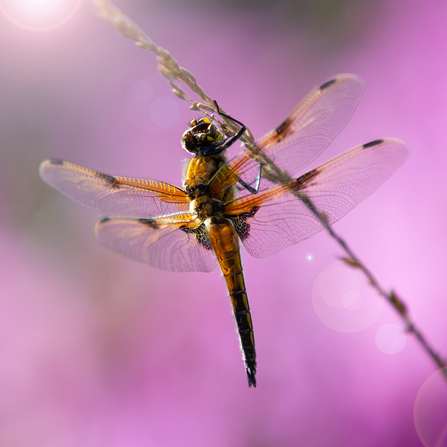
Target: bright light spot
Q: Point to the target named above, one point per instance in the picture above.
(39, 15)
(310, 257)
(430, 411)
(336, 281)
(343, 299)
(36, 6)
(391, 338)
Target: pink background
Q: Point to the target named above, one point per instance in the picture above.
(98, 350)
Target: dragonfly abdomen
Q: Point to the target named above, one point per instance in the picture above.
(225, 242)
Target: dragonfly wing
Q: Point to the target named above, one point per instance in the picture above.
(177, 243)
(272, 220)
(116, 196)
(306, 132)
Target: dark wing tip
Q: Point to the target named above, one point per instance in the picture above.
(372, 143)
(342, 78)
(50, 161)
(251, 373)
(46, 168)
(103, 219)
(328, 84)
(54, 161)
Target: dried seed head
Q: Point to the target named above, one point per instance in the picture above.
(168, 66)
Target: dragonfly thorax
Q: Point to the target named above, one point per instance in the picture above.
(205, 207)
(199, 172)
(197, 183)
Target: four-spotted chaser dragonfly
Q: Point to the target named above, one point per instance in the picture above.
(199, 226)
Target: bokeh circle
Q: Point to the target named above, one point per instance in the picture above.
(430, 410)
(391, 338)
(343, 300)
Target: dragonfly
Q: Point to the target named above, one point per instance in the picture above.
(223, 203)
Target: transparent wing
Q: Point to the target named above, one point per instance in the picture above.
(304, 135)
(178, 243)
(270, 221)
(115, 196)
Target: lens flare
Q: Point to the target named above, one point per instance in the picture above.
(343, 300)
(430, 411)
(39, 15)
(391, 338)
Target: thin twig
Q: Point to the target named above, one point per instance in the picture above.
(168, 66)
(171, 70)
(395, 301)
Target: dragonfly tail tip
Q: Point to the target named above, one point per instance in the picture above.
(251, 372)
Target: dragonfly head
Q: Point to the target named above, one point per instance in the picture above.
(202, 137)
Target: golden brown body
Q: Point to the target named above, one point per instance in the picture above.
(225, 243)
(200, 170)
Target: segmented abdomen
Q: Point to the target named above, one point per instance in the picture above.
(225, 242)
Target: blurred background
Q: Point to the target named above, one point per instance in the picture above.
(98, 350)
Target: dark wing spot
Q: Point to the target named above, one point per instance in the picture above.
(241, 225)
(203, 240)
(305, 178)
(328, 84)
(200, 234)
(55, 161)
(109, 179)
(254, 210)
(104, 219)
(372, 143)
(282, 128)
(149, 222)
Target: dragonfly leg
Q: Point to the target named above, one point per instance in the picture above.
(230, 140)
(247, 186)
(217, 149)
(253, 190)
